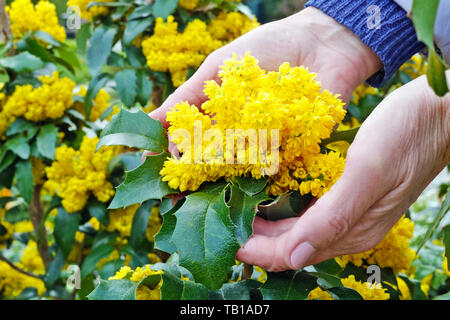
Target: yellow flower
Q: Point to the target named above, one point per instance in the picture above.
(122, 219)
(366, 290)
(170, 50)
(25, 17)
(405, 294)
(31, 260)
(392, 252)
(143, 292)
(99, 104)
(445, 267)
(361, 91)
(77, 174)
(48, 101)
(415, 67)
(188, 4)
(154, 224)
(13, 282)
(124, 273)
(425, 283)
(92, 12)
(319, 294)
(250, 98)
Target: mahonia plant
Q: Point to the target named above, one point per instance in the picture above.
(78, 205)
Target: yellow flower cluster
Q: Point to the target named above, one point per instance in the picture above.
(366, 290)
(121, 220)
(13, 282)
(76, 174)
(170, 50)
(99, 104)
(143, 292)
(49, 101)
(289, 102)
(392, 252)
(92, 12)
(31, 260)
(25, 17)
(445, 267)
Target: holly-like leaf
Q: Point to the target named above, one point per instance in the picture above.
(205, 236)
(251, 186)
(19, 145)
(163, 239)
(143, 183)
(241, 290)
(46, 141)
(164, 8)
(120, 289)
(343, 293)
(66, 225)
(126, 84)
(288, 285)
(97, 253)
(243, 208)
(99, 48)
(135, 130)
(97, 82)
(23, 62)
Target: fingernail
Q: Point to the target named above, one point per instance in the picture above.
(301, 254)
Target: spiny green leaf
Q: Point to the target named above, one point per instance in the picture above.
(121, 289)
(163, 239)
(133, 28)
(136, 130)
(288, 285)
(143, 183)
(243, 208)
(241, 290)
(343, 293)
(251, 186)
(205, 236)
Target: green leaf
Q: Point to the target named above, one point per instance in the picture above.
(163, 239)
(66, 225)
(17, 213)
(143, 183)
(136, 130)
(343, 293)
(21, 125)
(145, 86)
(298, 202)
(98, 210)
(241, 290)
(23, 62)
(347, 135)
(126, 84)
(121, 289)
(243, 208)
(97, 253)
(141, 12)
(329, 266)
(108, 4)
(24, 180)
(173, 288)
(251, 186)
(134, 56)
(414, 288)
(46, 141)
(19, 145)
(205, 236)
(446, 231)
(436, 73)
(46, 37)
(140, 222)
(97, 83)
(164, 8)
(288, 285)
(445, 207)
(133, 28)
(54, 269)
(99, 48)
(424, 16)
(82, 36)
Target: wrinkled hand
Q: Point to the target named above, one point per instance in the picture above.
(397, 152)
(308, 38)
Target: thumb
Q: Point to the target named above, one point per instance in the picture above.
(191, 91)
(336, 212)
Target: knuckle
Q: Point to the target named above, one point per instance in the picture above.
(339, 225)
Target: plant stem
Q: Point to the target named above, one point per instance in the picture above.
(247, 271)
(12, 265)
(5, 28)
(36, 215)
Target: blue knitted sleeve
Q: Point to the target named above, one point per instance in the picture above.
(393, 38)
